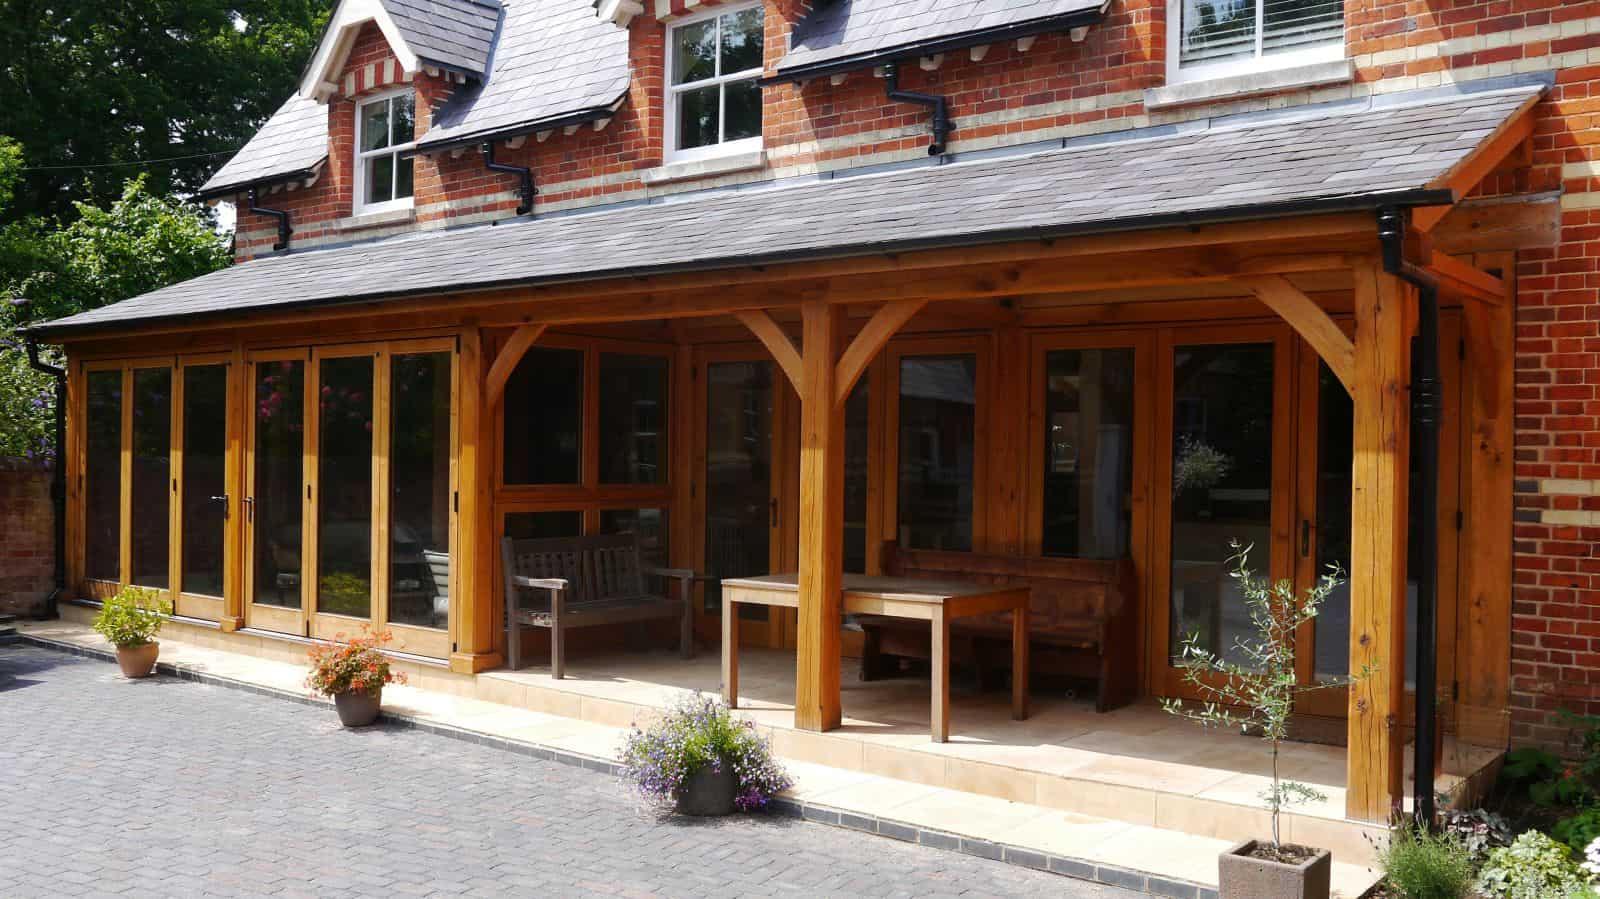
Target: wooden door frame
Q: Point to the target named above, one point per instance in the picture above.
(1167, 680)
(185, 603)
(261, 615)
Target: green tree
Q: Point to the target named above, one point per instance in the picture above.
(92, 88)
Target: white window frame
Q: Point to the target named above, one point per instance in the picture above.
(670, 107)
(1333, 51)
(359, 190)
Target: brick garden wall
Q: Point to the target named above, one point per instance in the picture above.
(27, 541)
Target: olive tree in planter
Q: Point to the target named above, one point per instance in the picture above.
(704, 761)
(130, 620)
(1256, 694)
(353, 674)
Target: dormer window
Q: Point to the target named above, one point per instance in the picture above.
(385, 130)
(713, 104)
(1217, 38)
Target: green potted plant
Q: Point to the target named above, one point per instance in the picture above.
(702, 760)
(352, 674)
(1253, 691)
(130, 620)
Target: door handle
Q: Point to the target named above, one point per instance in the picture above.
(250, 509)
(774, 505)
(1305, 538)
(224, 500)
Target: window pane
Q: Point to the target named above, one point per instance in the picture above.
(403, 177)
(742, 41)
(1296, 24)
(743, 110)
(697, 117)
(279, 479)
(938, 422)
(694, 50)
(535, 525)
(855, 480)
(649, 524)
(1088, 466)
(103, 477)
(205, 447)
(544, 418)
(738, 475)
(374, 126)
(1217, 30)
(1221, 489)
(419, 489)
(380, 179)
(403, 109)
(344, 486)
(633, 419)
(152, 476)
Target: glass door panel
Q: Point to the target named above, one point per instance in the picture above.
(344, 486)
(203, 480)
(938, 441)
(274, 499)
(152, 474)
(419, 489)
(1223, 400)
(740, 506)
(103, 477)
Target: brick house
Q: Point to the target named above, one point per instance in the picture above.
(804, 286)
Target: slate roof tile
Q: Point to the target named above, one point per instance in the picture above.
(1200, 171)
(458, 34)
(294, 139)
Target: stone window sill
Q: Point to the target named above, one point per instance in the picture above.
(376, 219)
(1250, 84)
(704, 168)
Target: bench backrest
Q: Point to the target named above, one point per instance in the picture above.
(1065, 593)
(596, 568)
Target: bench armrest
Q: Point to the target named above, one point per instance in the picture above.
(540, 583)
(678, 573)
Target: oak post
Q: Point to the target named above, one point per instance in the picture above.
(240, 407)
(1384, 316)
(473, 623)
(816, 705)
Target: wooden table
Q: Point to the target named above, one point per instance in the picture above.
(936, 602)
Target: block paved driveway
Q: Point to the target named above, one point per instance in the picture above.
(167, 787)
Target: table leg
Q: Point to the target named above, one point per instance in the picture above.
(730, 652)
(1019, 661)
(940, 657)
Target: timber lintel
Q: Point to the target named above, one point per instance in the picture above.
(506, 362)
(1465, 280)
(1315, 325)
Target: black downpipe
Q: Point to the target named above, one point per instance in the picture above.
(1426, 409)
(282, 215)
(942, 125)
(523, 173)
(58, 480)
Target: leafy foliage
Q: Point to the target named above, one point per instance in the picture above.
(1533, 867)
(132, 617)
(357, 666)
(697, 733)
(1479, 830)
(1258, 693)
(1579, 831)
(1422, 865)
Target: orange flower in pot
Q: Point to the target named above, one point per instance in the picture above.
(130, 620)
(353, 674)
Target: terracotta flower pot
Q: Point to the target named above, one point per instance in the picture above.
(709, 792)
(1243, 876)
(138, 661)
(358, 709)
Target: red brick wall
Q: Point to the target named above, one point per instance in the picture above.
(27, 541)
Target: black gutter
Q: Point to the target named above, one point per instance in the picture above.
(1426, 409)
(282, 215)
(933, 47)
(941, 124)
(58, 479)
(1045, 234)
(580, 117)
(524, 175)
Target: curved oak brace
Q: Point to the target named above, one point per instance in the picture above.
(864, 348)
(1305, 316)
(506, 362)
(777, 343)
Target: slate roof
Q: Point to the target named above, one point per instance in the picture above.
(844, 31)
(1348, 155)
(455, 34)
(555, 59)
(294, 139)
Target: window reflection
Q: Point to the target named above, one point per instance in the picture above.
(103, 476)
(649, 525)
(419, 489)
(152, 476)
(633, 419)
(277, 481)
(205, 446)
(544, 418)
(536, 525)
(344, 486)
(938, 421)
(1088, 467)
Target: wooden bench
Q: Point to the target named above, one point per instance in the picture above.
(1081, 618)
(570, 582)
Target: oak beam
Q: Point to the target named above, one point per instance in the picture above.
(775, 340)
(1465, 175)
(506, 362)
(821, 572)
(1306, 317)
(1384, 316)
(868, 341)
(1461, 279)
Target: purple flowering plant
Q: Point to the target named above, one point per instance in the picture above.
(700, 731)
